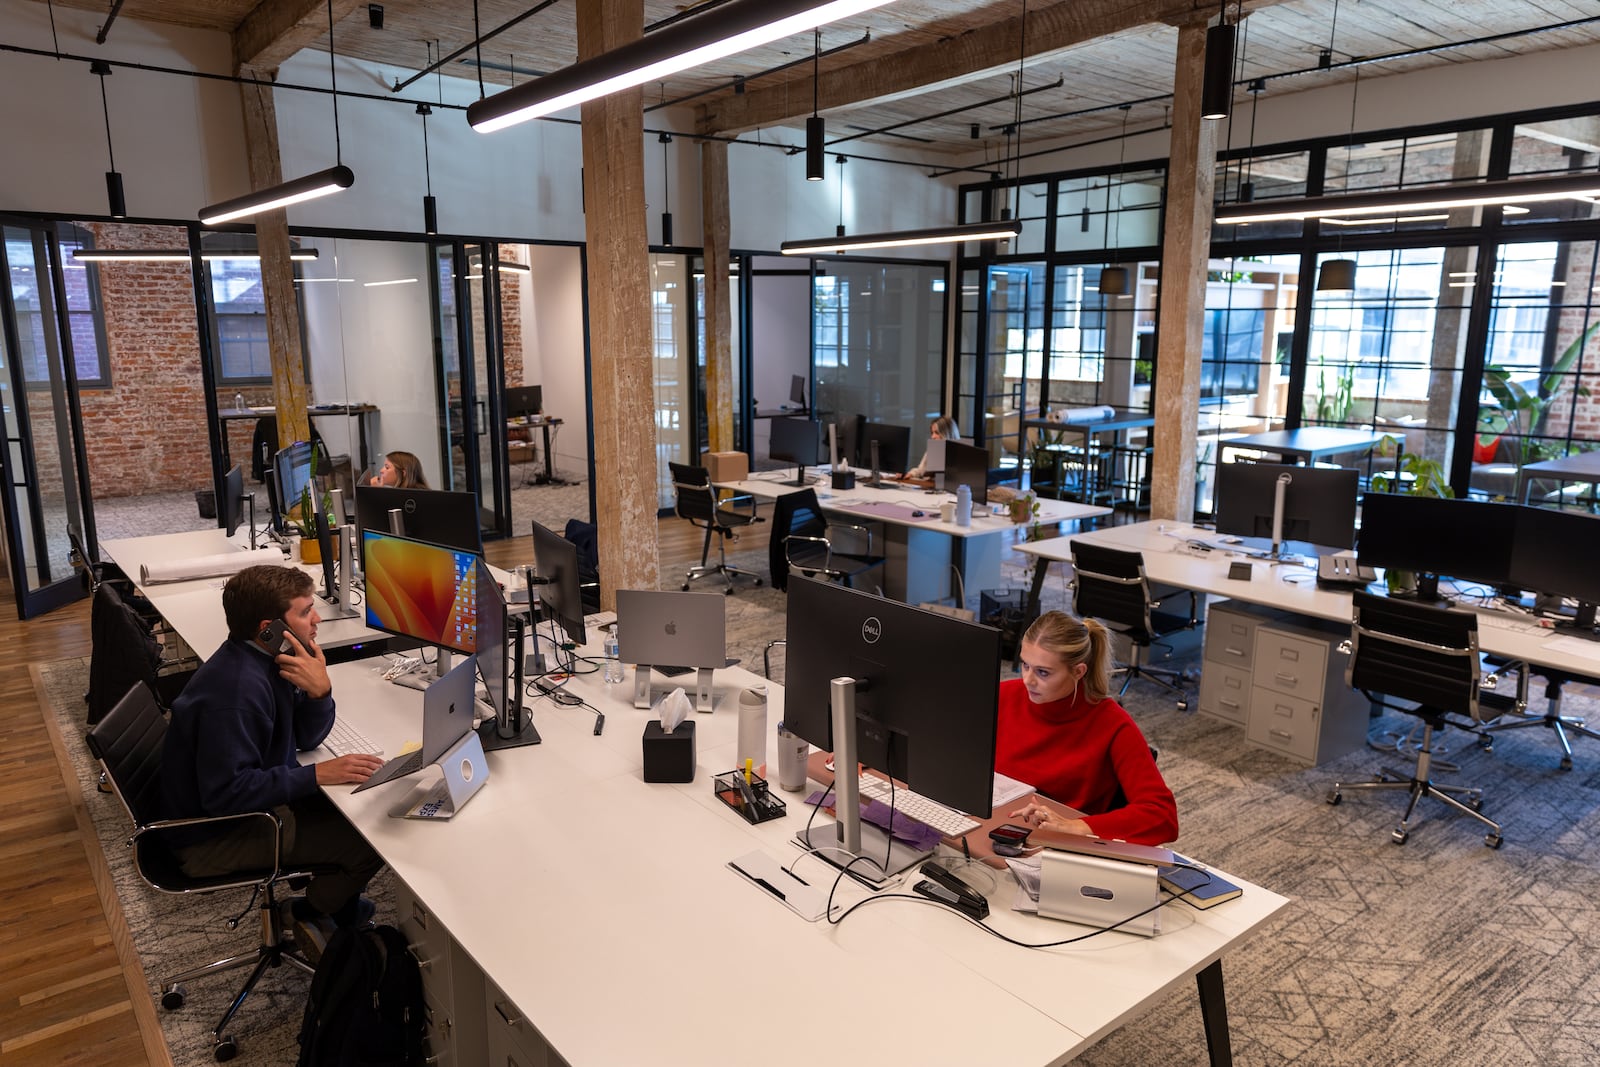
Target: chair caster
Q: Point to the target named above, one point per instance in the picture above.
(1486, 742)
(1492, 840)
(1475, 803)
(757, 583)
(173, 996)
(1566, 763)
(225, 1049)
(1183, 704)
(1334, 796)
(728, 591)
(1400, 836)
(685, 587)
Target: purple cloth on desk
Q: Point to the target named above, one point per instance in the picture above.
(888, 509)
(918, 835)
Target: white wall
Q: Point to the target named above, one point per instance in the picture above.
(780, 338)
(552, 347)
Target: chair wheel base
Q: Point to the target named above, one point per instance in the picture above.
(1334, 796)
(1399, 836)
(1566, 763)
(1492, 840)
(173, 997)
(225, 1049)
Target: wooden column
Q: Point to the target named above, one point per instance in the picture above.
(719, 313)
(619, 312)
(1185, 256)
(277, 272)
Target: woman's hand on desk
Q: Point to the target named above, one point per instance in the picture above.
(348, 770)
(1039, 817)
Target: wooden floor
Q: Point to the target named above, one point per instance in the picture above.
(66, 997)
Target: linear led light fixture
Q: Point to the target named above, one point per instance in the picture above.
(724, 31)
(174, 255)
(391, 281)
(513, 267)
(937, 235)
(322, 183)
(1482, 194)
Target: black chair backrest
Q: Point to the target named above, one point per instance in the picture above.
(123, 650)
(1414, 651)
(587, 539)
(793, 514)
(1111, 587)
(128, 742)
(697, 501)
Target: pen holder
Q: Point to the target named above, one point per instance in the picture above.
(760, 806)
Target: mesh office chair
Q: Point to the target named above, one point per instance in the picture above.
(697, 502)
(127, 742)
(804, 540)
(1418, 652)
(1109, 584)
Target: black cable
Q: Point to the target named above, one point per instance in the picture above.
(333, 79)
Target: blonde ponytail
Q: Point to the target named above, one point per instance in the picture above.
(1074, 641)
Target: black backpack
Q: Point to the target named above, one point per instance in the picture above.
(365, 1005)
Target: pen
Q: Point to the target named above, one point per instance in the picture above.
(748, 763)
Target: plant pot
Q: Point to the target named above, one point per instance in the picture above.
(1021, 508)
(310, 550)
(1399, 581)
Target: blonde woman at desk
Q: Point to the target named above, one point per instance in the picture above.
(941, 429)
(401, 470)
(1060, 731)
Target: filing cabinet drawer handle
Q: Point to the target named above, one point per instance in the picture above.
(1292, 655)
(1230, 650)
(1283, 709)
(1284, 734)
(1287, 679)
(511, 1017)
(1228, 703)
(422, 964)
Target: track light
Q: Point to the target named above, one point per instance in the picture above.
(727, 29)
(310, 187)
(972, 231)
(1216, 90)
(1439, 198)
(175, 255)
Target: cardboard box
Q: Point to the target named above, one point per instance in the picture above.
(726, 466)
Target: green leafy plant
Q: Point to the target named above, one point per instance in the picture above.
(1517, 411)
(302, 516)
(1335, 394)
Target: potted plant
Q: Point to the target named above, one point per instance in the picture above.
(302, 517)
(1518, 412)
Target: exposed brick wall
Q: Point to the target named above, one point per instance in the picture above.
(511, 324)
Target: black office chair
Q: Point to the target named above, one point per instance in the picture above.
(127, 742)
(697, 502)
(124, 650)
(1109, 584)
(1418, 652)
(587, 539)
(804, 540)
(1552, 719)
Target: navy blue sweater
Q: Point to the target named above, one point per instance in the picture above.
(234, 733)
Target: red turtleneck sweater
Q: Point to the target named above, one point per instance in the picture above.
(1081, 754)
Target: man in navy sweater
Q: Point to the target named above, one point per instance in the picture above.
(232, 742)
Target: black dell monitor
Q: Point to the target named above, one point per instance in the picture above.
(444, 518)
(894, 446)
(423, 591)
(1319, 504)
(555, 563)
(967, 465)
(797, 441)
(1470, 540)
(232, 506)
(511, 727)
(524, 400)
(1553, 555)
(932, 728)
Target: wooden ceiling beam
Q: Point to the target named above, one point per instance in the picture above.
(274, 30)
(976, 53)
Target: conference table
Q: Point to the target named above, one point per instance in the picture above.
(921, 547)
(580, 911)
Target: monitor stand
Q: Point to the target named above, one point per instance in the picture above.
(512, 726)
(865, 852)
(1276, 553)
(704, 696)
(424, 676)
(800, 481)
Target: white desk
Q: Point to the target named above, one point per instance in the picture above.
(1166, 563)
(194, 608)
(601, 907)
(922, 549)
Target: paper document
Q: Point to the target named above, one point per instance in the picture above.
(1574, 646)
(1007, 790)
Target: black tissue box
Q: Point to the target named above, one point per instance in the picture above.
(669, 757)
(844, 479)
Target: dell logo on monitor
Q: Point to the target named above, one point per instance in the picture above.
(871, 630)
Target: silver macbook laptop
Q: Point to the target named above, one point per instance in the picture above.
(447, 709)
(672, 630)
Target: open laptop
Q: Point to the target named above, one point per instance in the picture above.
(672, 630)
(447, 711)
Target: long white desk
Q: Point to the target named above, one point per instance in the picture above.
(921, 548)
(601, 912)
(1294, 588)
(194, 608)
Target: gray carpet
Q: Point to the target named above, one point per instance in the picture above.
(1439, 952)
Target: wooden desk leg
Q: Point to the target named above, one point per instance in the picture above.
(1214, 1015)
(1041, 567)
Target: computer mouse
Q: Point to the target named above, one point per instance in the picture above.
(918, 514)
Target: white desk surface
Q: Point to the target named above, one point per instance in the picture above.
(908, 498)
(1294, 588)
(194, 608)
(602, 906)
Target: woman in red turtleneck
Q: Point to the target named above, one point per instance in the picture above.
(1060, 732)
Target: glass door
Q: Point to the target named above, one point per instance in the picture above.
(468, 311)
(43, 501)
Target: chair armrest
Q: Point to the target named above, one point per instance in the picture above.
(156, 829)
(1169, 593)
(792, 538)
(737, 502)
(864, 531)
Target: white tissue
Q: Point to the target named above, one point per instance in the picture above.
(673, 709)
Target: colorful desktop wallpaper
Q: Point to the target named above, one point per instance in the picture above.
(422, 591)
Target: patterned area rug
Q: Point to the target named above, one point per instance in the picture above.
(1437, 953)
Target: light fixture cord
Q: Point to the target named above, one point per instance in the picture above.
(106, 111)
(1333, 29)
(333, 79)
(477, 47)
(55, 43)
(666, 179)
(1122, 155)
(841, 192)
(427, 164)
(816, 69)
(1022, 56)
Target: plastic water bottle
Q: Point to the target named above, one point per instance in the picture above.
(963, 505)
(238, 402)
(613, 672)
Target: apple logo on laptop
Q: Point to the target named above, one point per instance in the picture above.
(672, 629)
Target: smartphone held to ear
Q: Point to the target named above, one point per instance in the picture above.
(272, 636)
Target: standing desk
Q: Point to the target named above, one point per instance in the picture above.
(359, 412)
(1578, 467)
(1309, 444)
(922, 549)
(544, 422)
(596, 911)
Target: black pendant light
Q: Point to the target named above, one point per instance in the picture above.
(815, 136)
(114, 196)
(1114, 280)
(1216, 89)
(666, 189)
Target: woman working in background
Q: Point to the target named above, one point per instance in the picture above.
(401, 470)
(941, 429)
(1060, 732)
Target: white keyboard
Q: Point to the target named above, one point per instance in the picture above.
(344, 740)
(599, 619)
(948, 821)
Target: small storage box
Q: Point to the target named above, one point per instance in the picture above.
(669, 757)
(726, 466)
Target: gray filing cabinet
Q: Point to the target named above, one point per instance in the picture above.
(452, 985)
(1281, 677)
